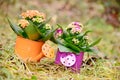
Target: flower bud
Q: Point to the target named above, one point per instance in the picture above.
(58, 33)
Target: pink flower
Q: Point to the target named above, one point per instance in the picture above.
(58, 33)
(75, 27)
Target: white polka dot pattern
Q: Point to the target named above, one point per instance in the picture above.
(48, 51)
(68, 59)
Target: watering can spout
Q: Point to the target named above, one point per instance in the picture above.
(38, 57)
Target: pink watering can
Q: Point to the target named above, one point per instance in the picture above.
(69, 59)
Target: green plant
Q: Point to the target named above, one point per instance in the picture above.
(33, 26)
(73, 40)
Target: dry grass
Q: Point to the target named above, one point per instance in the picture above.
(12, 68)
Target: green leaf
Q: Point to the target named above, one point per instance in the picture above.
(59, 26)
(95, 42)
(59, 41)
(73, 47)
(19, 31)
(64, 49)
(39, 31)
(49, 35)
(40, 28)
(32, 32)
(69, 45)
(80, 36)
(87, 32)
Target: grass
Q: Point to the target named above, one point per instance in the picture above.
(105, 68)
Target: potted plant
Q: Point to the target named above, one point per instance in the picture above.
(72, 43)
(32, 32)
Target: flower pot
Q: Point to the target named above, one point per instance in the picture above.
(29, 50)
(71, 60)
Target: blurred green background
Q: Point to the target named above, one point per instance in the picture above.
(100, 16)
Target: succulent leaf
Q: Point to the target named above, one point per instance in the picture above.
(32, 32)
(49, 35)
(19, 31)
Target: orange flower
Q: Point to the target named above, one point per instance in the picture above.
(32, 13)
(23, 23)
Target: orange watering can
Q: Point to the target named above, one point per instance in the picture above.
(29, 50)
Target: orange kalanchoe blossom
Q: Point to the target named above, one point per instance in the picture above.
(23, 23)
(32, 13)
